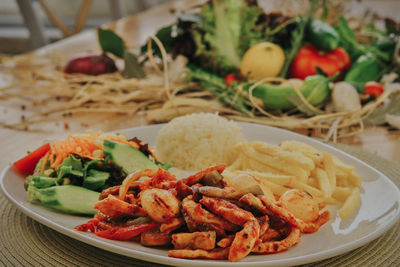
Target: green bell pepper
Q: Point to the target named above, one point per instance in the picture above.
(366, 68)
(322, 35)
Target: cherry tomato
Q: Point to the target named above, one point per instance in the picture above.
(373, 89)
(230, 78)
(308, 59)
(27, 164)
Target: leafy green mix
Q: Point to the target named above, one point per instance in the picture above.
(55, 187)
(75, 170)
(216, 38)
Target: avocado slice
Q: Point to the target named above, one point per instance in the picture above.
(127, 157)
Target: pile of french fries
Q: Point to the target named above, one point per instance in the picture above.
(294, 164)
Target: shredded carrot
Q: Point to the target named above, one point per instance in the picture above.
(118, 139)
(44, 161)
(83, 146)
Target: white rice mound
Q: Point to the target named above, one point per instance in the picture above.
(197, 141)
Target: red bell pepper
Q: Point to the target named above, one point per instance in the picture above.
(90, 226)
(27, 164)
(126, 232)
(308, 59)
(373, 89)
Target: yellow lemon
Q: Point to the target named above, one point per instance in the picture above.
(262, 60)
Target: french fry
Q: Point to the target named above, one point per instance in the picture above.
(297, 165)
(292, 145)
(303, 186)
(272, 177)
(342, 166)
(329, 169)
(351, 203)
(290, 157)
(276, 188)
(342, 180)
(341, 193)
(323, 182)
(312, 181)
(237, 163)
(255, 164)
(306, 150)
(261, 167)
(354, 179)
(341, 175)
(277, 164)
(330, 201)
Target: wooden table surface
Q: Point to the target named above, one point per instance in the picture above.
(135, 29)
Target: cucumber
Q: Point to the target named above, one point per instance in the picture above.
(127, 157)
(44, 181)
(95, 179)
(315, 90)
(66, 198)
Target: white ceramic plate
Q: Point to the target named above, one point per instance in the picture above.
(378, 212)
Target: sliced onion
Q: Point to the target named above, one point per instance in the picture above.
(126, 183)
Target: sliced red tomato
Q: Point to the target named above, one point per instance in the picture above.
(309, 59)
(126, 232)
(27, 164)
(373, 88)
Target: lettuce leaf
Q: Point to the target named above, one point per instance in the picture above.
(227, 29)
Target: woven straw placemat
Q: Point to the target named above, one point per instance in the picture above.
(24, 242)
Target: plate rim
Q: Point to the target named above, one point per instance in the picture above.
(146, 256)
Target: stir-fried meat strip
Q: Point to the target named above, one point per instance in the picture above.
(305, 227)
(227, 210)
(114, 208)
(162, 179)
(255, 203)
(155, 239)
(271, 234)
(264, 224)
(207, 208)
(171, 225)
(109, 191)
(244, 241)
(196, 240)
(202, 216)
(266, 206)
(190, 223)
(182, 190)
(196, 178)
(226, 241)
(246, 238)
(226, 192)
(276, 246)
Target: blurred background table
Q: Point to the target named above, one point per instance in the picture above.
(135, 29)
